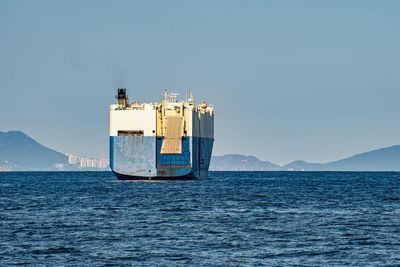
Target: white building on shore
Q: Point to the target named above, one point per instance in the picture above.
(85, 162)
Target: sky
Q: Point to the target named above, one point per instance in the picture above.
(310, 80)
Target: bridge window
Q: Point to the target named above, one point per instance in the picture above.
(131, 133)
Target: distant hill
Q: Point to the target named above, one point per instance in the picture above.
(384, 159)
(235, 162)
(19, 152)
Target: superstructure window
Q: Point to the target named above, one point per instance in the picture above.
(131, 133)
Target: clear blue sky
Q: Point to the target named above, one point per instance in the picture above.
(311, 80)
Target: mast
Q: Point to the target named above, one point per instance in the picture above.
(191, 97)
(165, 96)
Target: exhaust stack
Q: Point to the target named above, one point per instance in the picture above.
(122, 98)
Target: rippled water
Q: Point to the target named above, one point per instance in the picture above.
(230, 218)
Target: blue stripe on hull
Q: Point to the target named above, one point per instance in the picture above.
(201, 155)
(133, 155)
(138, 157)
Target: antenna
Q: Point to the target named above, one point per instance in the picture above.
(186, 92)
(191, 97)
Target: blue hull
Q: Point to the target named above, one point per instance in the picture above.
(140, 158)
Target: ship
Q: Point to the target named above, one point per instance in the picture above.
(157, 141)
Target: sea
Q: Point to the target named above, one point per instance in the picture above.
(227, 219)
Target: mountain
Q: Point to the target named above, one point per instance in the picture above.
(19, 152)
(235, 162)
(384, 159)
(300, 165)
